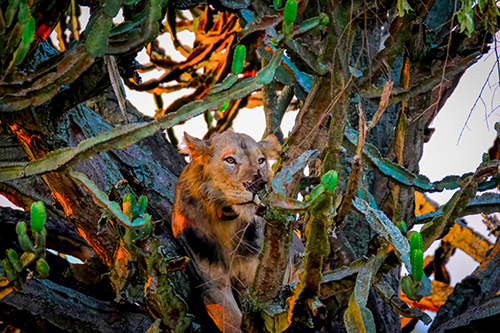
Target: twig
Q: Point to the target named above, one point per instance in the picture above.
(496, 53)
(116, 82)
(384, 102)
(336, 99)
(74, 21)
(475, 103)
(445, 60)
(352, 183)
(270, 103)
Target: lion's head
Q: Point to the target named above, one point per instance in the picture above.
(232, 167)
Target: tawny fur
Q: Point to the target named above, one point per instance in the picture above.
(214, 207)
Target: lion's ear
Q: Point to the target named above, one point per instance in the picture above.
(195, 147)
(270, 147)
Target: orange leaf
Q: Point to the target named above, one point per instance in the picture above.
(440, 292)
(422, 206)
(43, 32)
(216, 313)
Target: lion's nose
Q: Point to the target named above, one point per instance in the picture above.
(257, 184)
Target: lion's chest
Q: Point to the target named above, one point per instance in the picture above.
(222, 246)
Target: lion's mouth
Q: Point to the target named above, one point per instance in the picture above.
(255, 200)
(227, 213)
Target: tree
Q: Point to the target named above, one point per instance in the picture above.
(367, 78)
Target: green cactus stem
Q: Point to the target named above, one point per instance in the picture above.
(417, 265)
(38, 216)
(240, 53)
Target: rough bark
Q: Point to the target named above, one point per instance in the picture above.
(43, 306)
(476, 293)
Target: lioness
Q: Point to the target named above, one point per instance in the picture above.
(215, 216)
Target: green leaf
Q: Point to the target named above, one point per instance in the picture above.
(240, 53)
(229, 81)
(329, 179)
(285, 176)
(172, 138)
(40, 242)
(454, 208)
(482, 4)
(469, 22)
(10, 13)
(311, 24)
(267, 73)
(304, 79)
(97, 37)
(357, 317)
(316, 192)
(158, 101)
(14, 259)
(27, 37)
(38, 216)
(143, 203)
(287, 31)
(23, 239)
(277, 4)
(402, 227)
(9, 271)
(146, 231)
(155, 11)
(381, 224)
(207, 116)
(12, 256)
(142, 221)
(130, 206)
(224, 85)
(290, 12)
(102, 200)
(224, 106)
(42, 268)
(21, 228)
(24, 14)
(415, 290)
(407, 286)
(26, 244)
(403, 6)
(111, 7)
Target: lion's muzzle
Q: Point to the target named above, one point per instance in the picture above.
(257, 184)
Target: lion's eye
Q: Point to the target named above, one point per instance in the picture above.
(230, 160)
(262, 160)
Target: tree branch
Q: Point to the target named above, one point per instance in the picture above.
(470, 298)
(43, 306)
